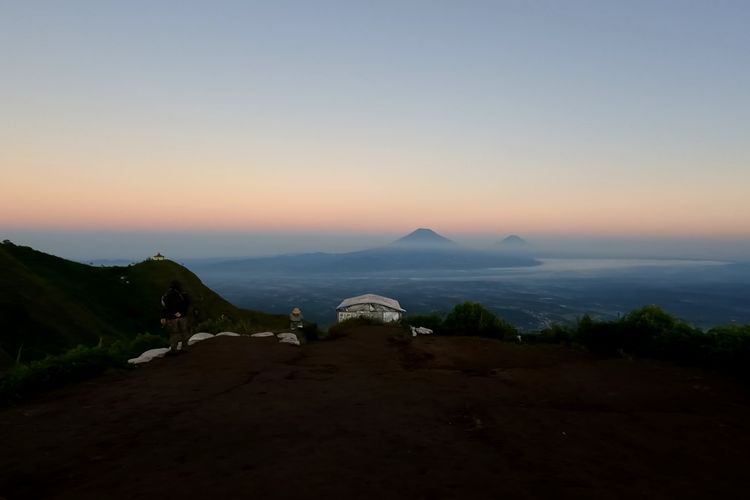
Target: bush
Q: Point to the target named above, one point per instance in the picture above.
(652, 332)
(143, 342)
(222, 324)
(310, 331)
(432, 321)
(77, 364)
(554, 334)
(682, 343)
(471, 318)
(342, 328)
(730, 348)
(339, 330)
(603, 337)
(649, 331)
(644, 329)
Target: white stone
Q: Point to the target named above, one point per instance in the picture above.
(199, 336)
(149, 355)
(420, 330)
(227, 334)
(288, 338)
(263, 334)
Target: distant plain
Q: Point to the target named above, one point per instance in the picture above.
(705, 293)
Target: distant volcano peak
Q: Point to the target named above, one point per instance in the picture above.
(424, 237)
(514, 240)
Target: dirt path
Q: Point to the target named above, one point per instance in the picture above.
(366, 417)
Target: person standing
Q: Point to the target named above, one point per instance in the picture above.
(176, 316)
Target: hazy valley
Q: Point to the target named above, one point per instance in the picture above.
(428, 273)
(705, 293)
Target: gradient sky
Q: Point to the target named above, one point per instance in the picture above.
(598, 118)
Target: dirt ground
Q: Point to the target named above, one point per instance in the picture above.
(365, 416)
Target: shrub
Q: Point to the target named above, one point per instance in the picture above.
(649, 331)
(730, 348)
(342, 328)
(603, 337)
(339, 330)
(555, 334)
(77, 364)
(471, 318)
(310, 331)
(145, 341)
(652, 332)
(682, 343)
(217, 325)
(432, 321)
(641, 329)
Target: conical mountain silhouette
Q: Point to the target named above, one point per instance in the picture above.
(514, 240)
(424, 237)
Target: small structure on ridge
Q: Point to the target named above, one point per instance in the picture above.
(370, 306)
(158, 256)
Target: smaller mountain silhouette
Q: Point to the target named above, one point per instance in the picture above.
(424, 237)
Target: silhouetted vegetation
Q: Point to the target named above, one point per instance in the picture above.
(340, 329)
(343, 328)
(243, 324)
(77, 364)
(647, 332)
(469, 318)
(310, 331)
(432, 321)
(651, 332)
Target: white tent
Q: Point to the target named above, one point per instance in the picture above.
(370, 306)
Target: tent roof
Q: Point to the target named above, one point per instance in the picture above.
(371, 298)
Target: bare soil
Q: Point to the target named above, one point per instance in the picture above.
(371, 415)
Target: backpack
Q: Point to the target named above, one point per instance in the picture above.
(175, 301)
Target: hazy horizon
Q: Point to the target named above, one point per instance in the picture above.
(87, 246)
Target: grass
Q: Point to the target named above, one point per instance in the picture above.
(75, 365)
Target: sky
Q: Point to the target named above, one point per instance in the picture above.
(336, 124)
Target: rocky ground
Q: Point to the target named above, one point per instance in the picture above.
(375, 415)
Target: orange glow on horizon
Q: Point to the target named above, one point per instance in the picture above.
(50, 193)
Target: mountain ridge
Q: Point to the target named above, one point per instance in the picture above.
(422, 249)
(49, 304)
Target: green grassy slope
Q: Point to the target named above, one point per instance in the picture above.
(49, 304)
